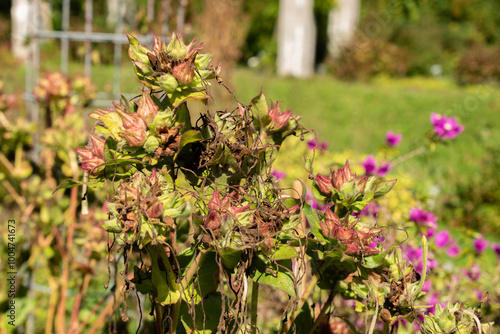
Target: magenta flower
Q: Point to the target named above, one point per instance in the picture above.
(383, 169)
(480, 244)
(425, 220)
(446, 127)
(427, 286)
(313, 143)
(453, 250)
(392, 139)
(473, 272)
(442, 238)
(369, 164)
(278, 174)
(415, 214)
(496, 248)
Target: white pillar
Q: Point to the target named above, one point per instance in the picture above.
(24, 21)
(296, 38)
(342, 24)
(20, 12)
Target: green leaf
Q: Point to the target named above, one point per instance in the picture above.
(307, 163)
(177, 98)
(230, 257)
(68, 184)
(165, 285)
(363, 202)
(376, 260)
(261, 110)
(188, 137)
(313, 220)
(112, 121)
(136, 51)
(204, 282)
(383, 187)
(110, 147)
(206, 315)
(141, 68)
(121, 162)
(112, 226)
(142, 281)
(349, 189)
(277, 275)
(201, 61)
(304, 321)
(284, 252)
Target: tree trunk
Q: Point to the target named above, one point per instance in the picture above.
(24, 22)
(296, 38)
(342, 24)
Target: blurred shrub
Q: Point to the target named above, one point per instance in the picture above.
(362, 60)
(481, 63)
(476, 204)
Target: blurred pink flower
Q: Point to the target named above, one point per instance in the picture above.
(392, 139)
(278, 174)
(480, 244)
(473, 272)
(453, 250)
(442, 238)
(446, 127)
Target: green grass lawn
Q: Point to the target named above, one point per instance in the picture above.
(356, 116)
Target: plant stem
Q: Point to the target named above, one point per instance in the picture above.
(322, 313)
(158, 319)
(188, 276)
(253, 310)
(409, 155)
(305, 295)
(375, 316)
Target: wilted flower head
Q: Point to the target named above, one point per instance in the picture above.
(93, 155)
(446, 127)
(223, 209)
(392, 139)
(357, 242)
(279, 120)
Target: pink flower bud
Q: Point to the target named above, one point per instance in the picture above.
(147, 109)
(342, 175)
(155, 210)
(97, 146)
(90, 165)
(324, 184)
(153, 178)
(84, 153)
(212, 222)
(184, 72)
(130, 120)
(134, 137)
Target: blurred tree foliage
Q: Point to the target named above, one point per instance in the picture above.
(436, 32)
